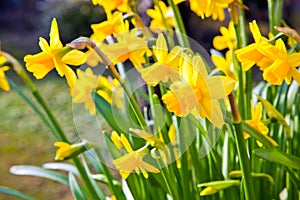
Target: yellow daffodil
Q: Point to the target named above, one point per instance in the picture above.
(162, 17)
(92, 58)
(210, 8)
(133, 161)
(113, 25)
(251, 54)
(225, 64)
(66, 151)
(176, 2)
(116, 139)
(256, 122)
(227, 40)
(110, 5)
(129, 46)
(54, 56)
(4, 85)
(283, 66)
(88, 82)
(110, 90)
(197, 93)
(167, 65)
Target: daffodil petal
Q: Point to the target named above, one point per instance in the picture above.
(74, 57)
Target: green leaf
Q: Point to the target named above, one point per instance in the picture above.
(216, 186)
(99, 191)
(103, 179)
(110, 117)
(29, 170)
(274, 155)
(274, 113)
(75, 188)
(61, 166)
(95, 161)
(115, 152)
(11, 192)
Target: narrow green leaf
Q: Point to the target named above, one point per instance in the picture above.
(102, 178)
(99, 191)
(274, 155)
(29, 170)
(75, 188)
(115, 152)
(11, 192)
(95, 161)
(106, 111)
(61, 166)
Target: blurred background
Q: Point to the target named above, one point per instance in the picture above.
(23, 138)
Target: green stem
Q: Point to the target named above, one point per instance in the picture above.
(271, 12)
(278, 11)
(241, 149)
(182, 37)
(289, 183)
(84, 176)
(114, 189)
(42, 102)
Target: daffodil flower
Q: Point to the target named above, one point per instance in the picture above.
(88, 82)
(283, 65)
(113, 25)
(4, 85)
(66, 151)
(116, 139)
(167, 65)
(251, 54)
(162, 17)
(256, 122)
(227, 40)
(110, 5)
(133, 161)
(197, 93)
(225, 64)
(210, 8)
(54, 56)
(129, 46)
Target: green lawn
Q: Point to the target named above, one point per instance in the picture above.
(25, 140)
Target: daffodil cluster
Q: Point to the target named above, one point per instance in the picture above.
(275, 61)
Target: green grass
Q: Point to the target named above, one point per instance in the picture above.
(25, 140)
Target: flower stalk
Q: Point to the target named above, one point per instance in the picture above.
(241, 148)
